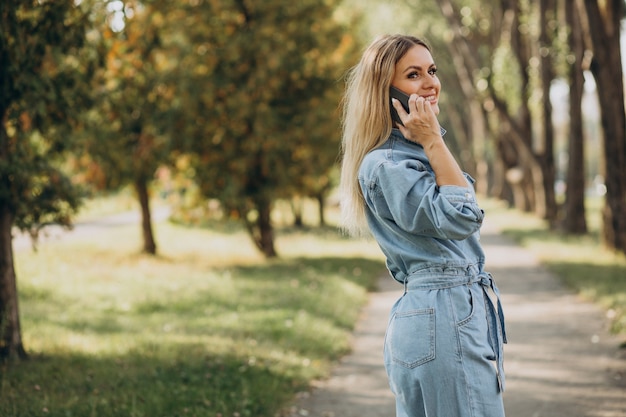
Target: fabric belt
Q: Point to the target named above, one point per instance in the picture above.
(495, 320)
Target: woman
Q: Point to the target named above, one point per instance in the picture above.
(443, 347)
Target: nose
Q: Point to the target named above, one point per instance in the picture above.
(430, 81)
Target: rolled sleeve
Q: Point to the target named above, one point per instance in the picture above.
(463, 215)
(409, 196)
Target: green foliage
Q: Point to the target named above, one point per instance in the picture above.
(44, 71)
(238, 87)
(209, 327)
(265, 95)
(505, 77)
(129, 128)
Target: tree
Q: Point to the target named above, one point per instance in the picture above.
(262, 93)
(574, 220)
(131, 125)
(476, 33)
(603, 19)
(44, 69)
(548, 25)
(499, 64)
(506, 54)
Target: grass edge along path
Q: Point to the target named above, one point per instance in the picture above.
(207, 328)
(580, 262)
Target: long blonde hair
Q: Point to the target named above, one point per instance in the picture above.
(367, 120)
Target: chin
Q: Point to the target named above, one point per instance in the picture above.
(436, 109)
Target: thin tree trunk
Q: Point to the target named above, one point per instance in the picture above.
(465, 59)
(546, 154)
(296, 209)
(266, 230)
(260, 230)
(321, 204)
(141, 188)
(574, 220)
(524, 159)
(606, 66)
(522, 126)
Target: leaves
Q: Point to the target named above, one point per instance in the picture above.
(275, 91)
(43, 75)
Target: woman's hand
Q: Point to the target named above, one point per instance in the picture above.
(420, 124)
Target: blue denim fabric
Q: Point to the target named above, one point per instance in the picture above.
(417, 223)
(443, 348)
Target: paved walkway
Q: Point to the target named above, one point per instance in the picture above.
(560, 360)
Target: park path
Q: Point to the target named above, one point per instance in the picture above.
(22, 241)
(560, 360)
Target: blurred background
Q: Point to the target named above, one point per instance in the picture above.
(226, 107)
(224, 116)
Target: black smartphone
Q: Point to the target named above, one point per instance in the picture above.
(403, 98)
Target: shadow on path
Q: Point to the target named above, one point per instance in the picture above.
(561, 360)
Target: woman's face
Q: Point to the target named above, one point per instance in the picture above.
(416, 73)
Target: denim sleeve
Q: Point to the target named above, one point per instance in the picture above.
(407, 194)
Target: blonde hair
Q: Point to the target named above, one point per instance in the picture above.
(367, 120)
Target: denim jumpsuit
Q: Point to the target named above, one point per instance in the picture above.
(443, 347)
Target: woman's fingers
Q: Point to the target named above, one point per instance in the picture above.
(419, 120)
(422, 108)
(399, 108)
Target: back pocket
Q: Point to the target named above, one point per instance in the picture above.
(411, 337)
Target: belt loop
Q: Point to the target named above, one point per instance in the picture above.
(406, 283)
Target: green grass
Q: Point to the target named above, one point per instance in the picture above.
(207, 328)
(581, 262)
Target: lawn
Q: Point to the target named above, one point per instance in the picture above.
(207, 328)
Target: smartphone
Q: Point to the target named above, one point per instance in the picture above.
(403, 98)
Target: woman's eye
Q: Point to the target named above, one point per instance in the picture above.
(415, 74)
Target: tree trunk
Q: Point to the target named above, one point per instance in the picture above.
(141, 188)
(10, 331)
(606, 66)
(521, 128)
(261, 230)
(266, 230)
(296, 209)
(465, 56)
(515, 137)
(573, 215)
(500, 188)
(321, 204)
(546, 153)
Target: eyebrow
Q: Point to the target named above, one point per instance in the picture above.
(417, 67)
